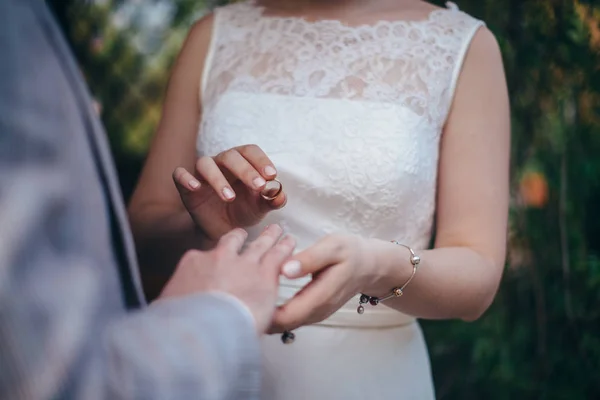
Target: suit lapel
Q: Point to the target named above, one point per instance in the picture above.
(104, 161)
(106, 164)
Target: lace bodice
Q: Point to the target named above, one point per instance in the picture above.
(350, 115)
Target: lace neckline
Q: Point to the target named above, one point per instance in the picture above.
(409, 62)
(431, 17)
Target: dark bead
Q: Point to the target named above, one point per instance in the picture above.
(364, 299)
(360, 309)
(374, 301)
(288, 337)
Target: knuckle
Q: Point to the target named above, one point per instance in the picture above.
(281, 248)
(191, 257)
(253, 250)
(285, 321)
(228, 156)
(261, 253)
(237, 234)
(226, 239)
(284, 249)
(223, 240)
(178, 173)
(250, 147)
(339, 249)
(223, 250)
(203, 162)
(220, 253)
(335, 244)
(250, 174)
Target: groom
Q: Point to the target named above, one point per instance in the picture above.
(73, 320)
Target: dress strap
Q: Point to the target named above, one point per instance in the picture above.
(472, 25)
(230, 22)
(208, 61)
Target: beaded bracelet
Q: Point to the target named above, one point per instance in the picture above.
(289, 337)
(415, 260)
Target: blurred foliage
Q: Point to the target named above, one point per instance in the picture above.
(541, 337)
(127, 79)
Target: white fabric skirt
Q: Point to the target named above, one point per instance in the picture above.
(349, 357)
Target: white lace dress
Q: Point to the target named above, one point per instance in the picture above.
(352, 118)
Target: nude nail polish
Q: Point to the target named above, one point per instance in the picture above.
(259, 182)
(292, 269)
(270, 171)
(228, 193)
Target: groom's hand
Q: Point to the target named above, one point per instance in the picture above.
(251, 275)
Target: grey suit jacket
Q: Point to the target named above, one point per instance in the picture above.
(73, 320)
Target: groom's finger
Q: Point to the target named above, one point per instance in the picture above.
(272, 260)
(267, 239)
(312, 260)
(278, 254)
(233, 241)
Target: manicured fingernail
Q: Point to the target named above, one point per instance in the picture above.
(292, 269)
(228, 193)
(270, 171)
(194, 184)
(288, 241)
(259, 182)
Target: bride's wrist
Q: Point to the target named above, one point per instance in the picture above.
(390, 267)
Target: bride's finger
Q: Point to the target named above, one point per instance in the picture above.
(259, 160)
(184, 181)
(283, 318)
(241, 169)
(269, 205)
(210, 172)
(314, 303)
(321, 255)
(278, 202)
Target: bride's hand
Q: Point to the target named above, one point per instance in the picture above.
(342, 266)
(224, 191)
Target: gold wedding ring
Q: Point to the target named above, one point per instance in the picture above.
(272, 189)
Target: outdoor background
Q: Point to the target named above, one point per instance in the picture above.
(541, 338)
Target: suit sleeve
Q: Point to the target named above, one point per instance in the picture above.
(62, 335)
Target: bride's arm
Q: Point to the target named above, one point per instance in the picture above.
(162, 228)
(460, 276)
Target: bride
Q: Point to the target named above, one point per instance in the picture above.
(382, 119)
